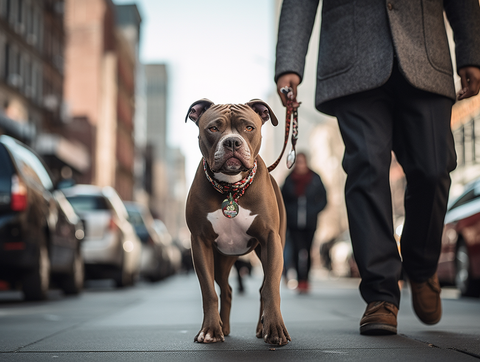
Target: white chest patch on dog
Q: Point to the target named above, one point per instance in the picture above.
(232, 233)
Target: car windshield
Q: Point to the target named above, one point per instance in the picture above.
(88, 203)
(469, 196)
(135, 218)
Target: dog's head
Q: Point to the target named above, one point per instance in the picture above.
(230, 134)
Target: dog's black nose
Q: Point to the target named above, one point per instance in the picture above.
(232, 143)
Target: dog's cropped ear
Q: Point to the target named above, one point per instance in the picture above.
(197, 108)
(263, 110)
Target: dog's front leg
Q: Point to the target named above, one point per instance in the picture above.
(274, 330)
(203, 260)
(223, 265)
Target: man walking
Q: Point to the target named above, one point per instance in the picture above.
(384, 70)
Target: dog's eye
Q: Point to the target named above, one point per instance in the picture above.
(249, 128)
(213, 129)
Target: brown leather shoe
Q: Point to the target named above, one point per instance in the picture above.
(426, 300)
(380, 318)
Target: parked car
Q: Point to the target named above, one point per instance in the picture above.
(186, 261)
(174, 253)
(111, 248)
(459, 262)
(40, 234)
(155, 261)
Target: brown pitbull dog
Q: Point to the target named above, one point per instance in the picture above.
(235, 206)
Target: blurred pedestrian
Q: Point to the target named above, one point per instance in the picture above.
(384, 70)
(304, 196)
(325, 254)
(243, 267)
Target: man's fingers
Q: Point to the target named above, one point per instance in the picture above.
(470, 78)
(463, 79)
(283, 96)
(474, 85)
(294, 90)
(290, 80)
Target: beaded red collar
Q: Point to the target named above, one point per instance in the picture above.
(230, 205)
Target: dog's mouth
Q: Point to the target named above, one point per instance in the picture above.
(233, 163)
(233, 166)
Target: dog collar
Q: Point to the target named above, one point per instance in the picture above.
(230, 205)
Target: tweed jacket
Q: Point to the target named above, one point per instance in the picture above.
(360, 38)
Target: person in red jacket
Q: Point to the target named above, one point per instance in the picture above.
(305, 197)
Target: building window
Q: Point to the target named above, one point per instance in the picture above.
(466, 143)
(11, 12)
(26, 76)
(12, 67)
(20, 11)
(7, 7)
(3, 8)
(39, 85)
(33, 81)
(37, 28)
(6, 61)
(29, 24)
(18, 69)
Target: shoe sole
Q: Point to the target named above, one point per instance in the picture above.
(377, 329)
(428, 322)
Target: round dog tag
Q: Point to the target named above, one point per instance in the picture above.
(230, 207)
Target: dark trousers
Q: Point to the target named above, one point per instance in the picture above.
(416, 126)
(302, 240)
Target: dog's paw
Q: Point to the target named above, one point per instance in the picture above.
(275, 333)
(259, 331)
(210, 335)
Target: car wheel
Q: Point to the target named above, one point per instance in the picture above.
(72, 283)
(156, 274)
(133, 278)
(36, 282)
(122, 278)
(463, 279)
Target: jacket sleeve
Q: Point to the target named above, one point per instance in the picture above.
(294, 31)
(464, 18)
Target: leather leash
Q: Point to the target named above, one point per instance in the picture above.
(291, 111)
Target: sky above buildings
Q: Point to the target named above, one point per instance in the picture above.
(222, 50)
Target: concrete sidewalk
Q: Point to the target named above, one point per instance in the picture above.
(158, 323)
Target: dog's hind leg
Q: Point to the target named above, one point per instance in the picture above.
(223, 265)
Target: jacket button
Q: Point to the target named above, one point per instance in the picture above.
(390, 6)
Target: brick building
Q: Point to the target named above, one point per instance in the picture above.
(31, 81)
(100, 89)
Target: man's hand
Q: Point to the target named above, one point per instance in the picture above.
(291, 80)
(470, 82)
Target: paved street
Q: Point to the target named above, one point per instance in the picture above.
(157, 322)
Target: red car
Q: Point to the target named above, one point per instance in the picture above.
(459, 262)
